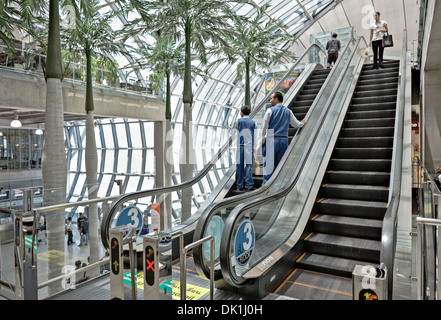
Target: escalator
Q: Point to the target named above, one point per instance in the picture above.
(339, 208)
(318, 89)
(346, 222)
(301, 104)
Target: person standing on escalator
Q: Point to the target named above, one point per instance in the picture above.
(378, 30)
(274, 134)
(333, 47)
(245, 150)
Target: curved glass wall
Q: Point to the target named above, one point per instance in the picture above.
(125, 146)
(217, 96)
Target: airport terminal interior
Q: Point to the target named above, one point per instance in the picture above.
(120, 158)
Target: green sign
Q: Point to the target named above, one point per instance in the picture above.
(166, 287)
(28, 243)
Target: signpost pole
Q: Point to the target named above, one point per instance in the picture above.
(116, 264)
(151, 267)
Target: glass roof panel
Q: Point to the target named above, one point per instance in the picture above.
(219, 95)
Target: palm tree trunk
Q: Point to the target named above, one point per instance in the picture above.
(91, 160)
(168, 156)
(186, 156)
(247, 82)
(54, 164)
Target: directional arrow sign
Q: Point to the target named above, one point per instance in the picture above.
(116, 265)
(114, 255)
(150, 265)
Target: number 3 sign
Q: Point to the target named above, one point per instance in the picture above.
(244, 243)
(131, 217)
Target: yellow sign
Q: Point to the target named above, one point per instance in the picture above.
(193, 292)
(57, 257)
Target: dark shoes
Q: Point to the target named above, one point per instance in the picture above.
(242, 189)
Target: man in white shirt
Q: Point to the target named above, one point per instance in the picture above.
(378, 29)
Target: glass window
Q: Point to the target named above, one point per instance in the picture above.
(122, 160)
(109, 158)
(121, 134)
(135, 134)
(108, 135)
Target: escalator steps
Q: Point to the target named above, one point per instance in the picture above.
(346, 221)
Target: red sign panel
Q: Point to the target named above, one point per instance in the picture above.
(415, 125)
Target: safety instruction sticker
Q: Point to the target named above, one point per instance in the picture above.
(172, 287)
(193, 292)
(139, 279)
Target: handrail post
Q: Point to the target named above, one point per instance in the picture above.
(183, 273)
(419, 260)
(421, 253)
(132, 268)
(116, 264)
(150, 253)
(19, 252)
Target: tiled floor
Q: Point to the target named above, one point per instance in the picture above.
(71, 254)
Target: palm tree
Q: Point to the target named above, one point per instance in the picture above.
(19, 14)
(8, 13)
(54, 164)
(255, 43)
(165, 58)
(194, 23)
(93, 37)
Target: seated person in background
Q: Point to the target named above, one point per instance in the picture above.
(437, 176)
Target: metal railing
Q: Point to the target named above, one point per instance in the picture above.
(32, 61)
(19, 286)
(183, 273)
(390, 220)
(428, 244)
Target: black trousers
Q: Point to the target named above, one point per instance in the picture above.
(332, 58)
(378, 49)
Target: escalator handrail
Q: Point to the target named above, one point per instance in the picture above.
(214, 207)
(107, 219)
(389, 229)
(237, 213)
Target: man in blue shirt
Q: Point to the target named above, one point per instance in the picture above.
(245, 149)
(274, 136)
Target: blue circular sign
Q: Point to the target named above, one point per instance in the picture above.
(244, 243)
(215, 229)
(130, 217)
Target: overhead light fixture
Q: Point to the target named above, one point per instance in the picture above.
(16, 123)
(39, 132)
